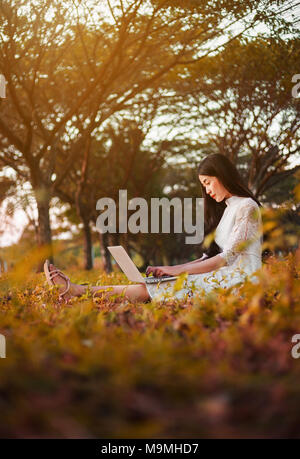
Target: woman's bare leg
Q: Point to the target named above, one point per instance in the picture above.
(135, 292)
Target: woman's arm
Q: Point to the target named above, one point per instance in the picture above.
(204, 266)
(195, 267)
(187, 264)
(182, 267)
(194, 261)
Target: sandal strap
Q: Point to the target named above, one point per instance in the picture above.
(56, 272)
(66, 290)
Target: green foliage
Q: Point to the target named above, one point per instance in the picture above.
(217, 365)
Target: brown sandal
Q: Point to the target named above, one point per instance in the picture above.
(56, 272)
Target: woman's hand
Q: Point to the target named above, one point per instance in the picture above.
(159, 271)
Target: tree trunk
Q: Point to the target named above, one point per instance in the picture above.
(87, 245)
(105, 254)
(44, 228)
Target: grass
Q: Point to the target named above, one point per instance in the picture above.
(218, 366)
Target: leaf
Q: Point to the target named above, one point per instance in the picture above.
(180, 282)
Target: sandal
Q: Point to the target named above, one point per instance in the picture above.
(56, 272)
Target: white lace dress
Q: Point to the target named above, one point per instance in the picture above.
(239, 236)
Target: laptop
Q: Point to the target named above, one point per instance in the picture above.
(131, 271)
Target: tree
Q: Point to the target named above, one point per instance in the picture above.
(70, 66)
(240, 102)
(120, 160)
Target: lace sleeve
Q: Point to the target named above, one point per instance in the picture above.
(246, 230)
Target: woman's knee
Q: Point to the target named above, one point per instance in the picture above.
(137, 292)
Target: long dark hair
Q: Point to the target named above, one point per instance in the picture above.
(218, 165)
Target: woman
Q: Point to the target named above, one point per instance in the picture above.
(231, 211)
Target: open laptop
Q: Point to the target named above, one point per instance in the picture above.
(129, 268)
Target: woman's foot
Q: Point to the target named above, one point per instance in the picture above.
(67, 289)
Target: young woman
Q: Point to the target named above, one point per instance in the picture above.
(231, 211)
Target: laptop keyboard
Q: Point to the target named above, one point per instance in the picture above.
(153, 280)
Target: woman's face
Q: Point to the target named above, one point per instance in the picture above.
(214, 187)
